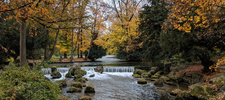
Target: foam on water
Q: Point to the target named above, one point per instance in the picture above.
(107, 72)
(63, 71)
(97, 76)
(122, 71)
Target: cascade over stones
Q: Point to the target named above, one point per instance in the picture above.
(99, 69)
(56, 74)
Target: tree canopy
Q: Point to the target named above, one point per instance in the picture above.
(150, 30)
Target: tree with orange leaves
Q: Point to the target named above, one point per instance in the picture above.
(47, 13)
(188, 15)
(200, 21)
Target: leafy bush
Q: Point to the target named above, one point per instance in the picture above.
(74, 89)
(62, 83)
(24, 83)
(77, 84)
(89, 89)
(85, 98)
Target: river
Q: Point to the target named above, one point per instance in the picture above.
(115, 83)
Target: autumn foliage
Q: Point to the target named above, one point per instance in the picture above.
(220, 62)
(188, 15)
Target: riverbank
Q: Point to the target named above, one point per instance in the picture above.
(185, 82)
(74, 60)
(63, 60)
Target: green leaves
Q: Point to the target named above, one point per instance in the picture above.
(26, 83)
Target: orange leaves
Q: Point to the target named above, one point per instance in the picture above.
(187, 15)
(220, 62)
(22, 8)
(196, 19)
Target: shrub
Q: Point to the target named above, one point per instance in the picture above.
(77, 84)
(56, 74)
(139, 71)
(62, 83)
(89, 89)
(25, 84)
(136, 76)
(61, 97)
(142, 81)
(74, 89)
(68, 75)
(80, 72)
(77, 77)
(85, 98)
(82, 80)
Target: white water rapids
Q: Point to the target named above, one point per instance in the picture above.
(115, 83)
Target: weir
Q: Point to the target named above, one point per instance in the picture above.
(111, 69)
(115, 83)
(88, 68)
(118, 69)
(63, 70)
(49, 70)
(105, 69)
(46, 70)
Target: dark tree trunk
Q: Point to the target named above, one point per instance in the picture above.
(65, 55)
(46, 44)
(71, 56)
(81, 53)
(60, 59)
(55, 42)
(22, 42)
(78, 53)
(205, 61)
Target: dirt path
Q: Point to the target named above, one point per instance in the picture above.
(63, 60)
(197, 68)
(74, 60)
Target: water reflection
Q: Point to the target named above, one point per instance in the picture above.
(108, 60)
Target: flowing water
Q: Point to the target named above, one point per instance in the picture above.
(115, 83)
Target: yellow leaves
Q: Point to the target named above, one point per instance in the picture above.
(190, 19)
(122, 34)
(187, 27)
(196, 19)
(192, 14)
(216, 20)
(176, 26)
(57, 46)
(63, 50)
(220, 62)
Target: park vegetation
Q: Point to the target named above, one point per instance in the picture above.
(157, 32)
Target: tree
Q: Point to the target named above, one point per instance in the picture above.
(48, 13)
(152, 18)
(9, 32)
(123, 34)
(188, 15)
(82, 6)
(203, 20)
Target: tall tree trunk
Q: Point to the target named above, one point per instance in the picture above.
(78, 48)
(55, 42)
(22, 42)
(205, 61)
(71, 57)
(65, 55)
(46, 44)
(81, 53)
